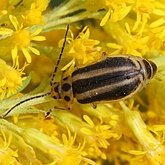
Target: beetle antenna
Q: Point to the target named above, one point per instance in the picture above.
(60, 55)
(23, 101)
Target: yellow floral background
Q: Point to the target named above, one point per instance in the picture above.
(129, 132)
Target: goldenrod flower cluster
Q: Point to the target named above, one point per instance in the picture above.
(130, 132)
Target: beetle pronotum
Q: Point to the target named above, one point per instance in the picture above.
(111, 79)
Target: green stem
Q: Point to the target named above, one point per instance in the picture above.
(10, 126)
(68, 20)
(68, 13)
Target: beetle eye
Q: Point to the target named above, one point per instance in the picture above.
(56, 89)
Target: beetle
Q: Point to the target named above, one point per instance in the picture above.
(113, 78)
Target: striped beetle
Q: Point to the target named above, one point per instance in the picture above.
(111, 79)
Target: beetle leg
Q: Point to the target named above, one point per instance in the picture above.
(48, 113)
(104, 55)
(94, 105)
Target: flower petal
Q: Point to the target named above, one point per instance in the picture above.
(39, 38)
(27, 55)
(34, 50)
(5, 31)
(105, 18)
(14, 53)
(14, 21)
(88, 120)
(36, 32)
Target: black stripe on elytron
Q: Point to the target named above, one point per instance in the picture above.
(154, 68)
(116, 94)
(142, 70)
(148, 68)
(84, 85)
(101, 71)
(109, 62)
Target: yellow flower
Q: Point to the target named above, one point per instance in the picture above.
(135, 36)
(21, 40)
(125, 42)
(7, 155)
(98, 137)
(33, 16)
(154, 151)
(83, 49)
(117, 10)
(10, 79)
(59, 151)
